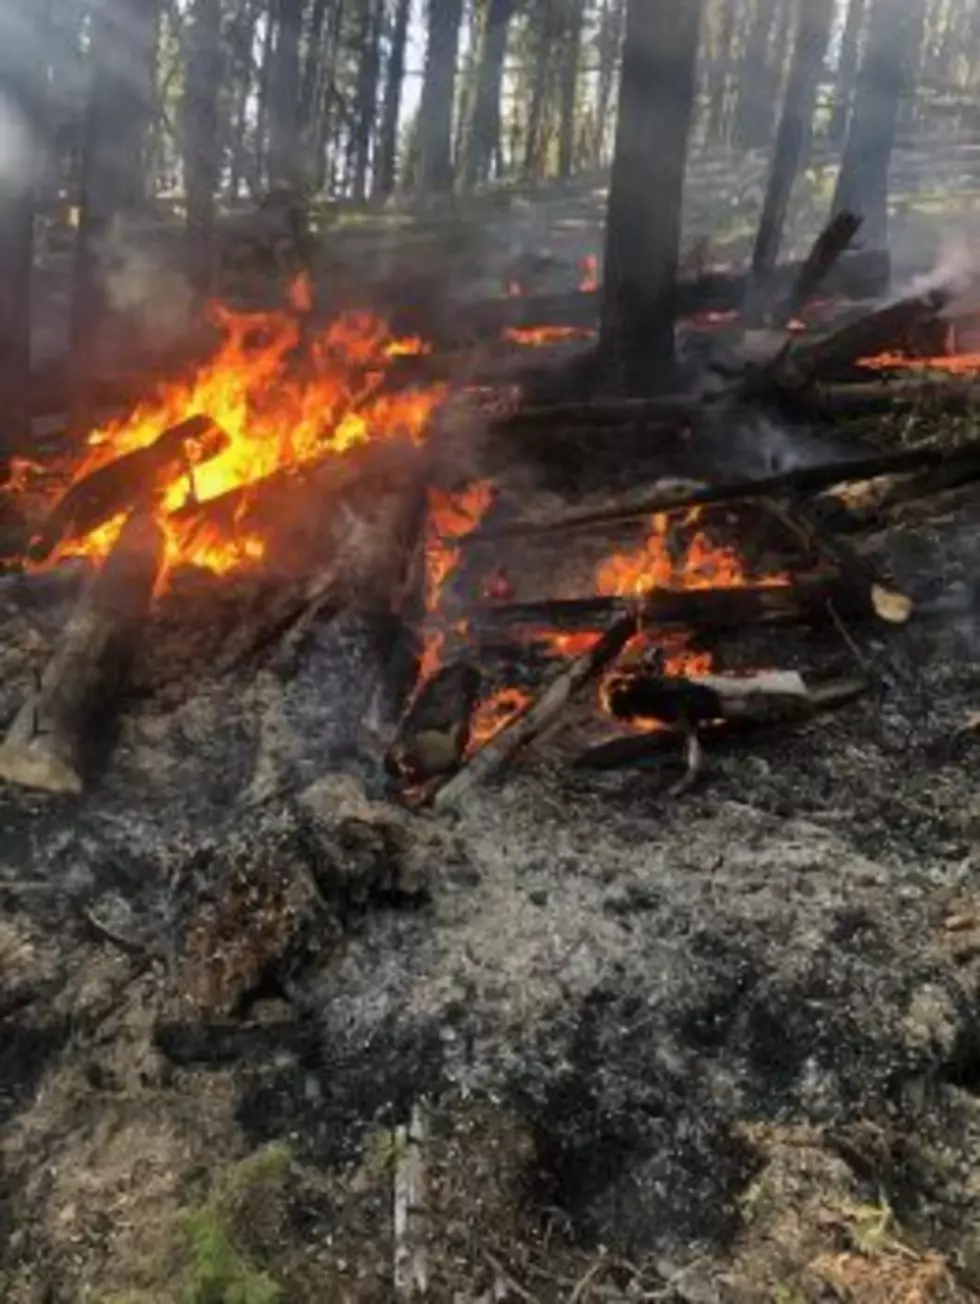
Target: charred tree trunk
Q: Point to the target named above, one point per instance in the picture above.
(484, 136)
(391, 109)
(643, 226)
(570, 56)
(862, 186)
(202, 163)
(20, 85)
(847, 72)
(285, 161)
(435, 123)
(795, 127)
(117, 113)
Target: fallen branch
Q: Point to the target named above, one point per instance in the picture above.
(538, 715)
(639, 748)
(828, 248)
(128, 482)
(409, 1214)
(48, 743)
(800, 480)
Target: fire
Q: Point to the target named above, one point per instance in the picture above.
(451, 517)
(960, 364)
(700, 565)
(590, 273)
(494, 713)
(540, 336)
(285, 399)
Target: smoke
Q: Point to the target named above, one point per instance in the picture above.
(144, 285)
(18, 147)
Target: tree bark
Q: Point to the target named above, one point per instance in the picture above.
(20, 86)
(610, 40)
(795, 133)
(202, 161)
(391, 109)
(755, 80)
(118, 110)
(847, 72)
(862, 186)
(643, 225)
(719, 75)
(435, 123)
(285, 157)
(484, 135)
(570, 57)
(548, 33)
(366, 94)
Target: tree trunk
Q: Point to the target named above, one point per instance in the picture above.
(312, 65)
(21, 85)
(862, 186)
(435, 125)
(240, 44)
(285, 156)
(202, 162)
(571, 54)
(643, 226)
(847, 72)
(391, 108)
(719, 75)
(814, 18)
(366, 94)
(543, 46)
(117, 113)
(609, 41)
(266, 64)
(484, 135)
(755, 81)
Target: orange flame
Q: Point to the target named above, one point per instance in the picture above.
(281, 410)
(540, 336)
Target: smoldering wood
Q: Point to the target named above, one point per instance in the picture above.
(434, 735)
(129, 481)
(860, 275)
(858, 575)
(805, 601)
(641, 748)
(538, 715)
(828, 248)
(47, 745)
(805, 361)
(953, 394)
(799, 480)
(691, 700)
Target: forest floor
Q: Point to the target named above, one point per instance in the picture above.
(721, 1048)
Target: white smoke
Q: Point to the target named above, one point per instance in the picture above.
(144, 284)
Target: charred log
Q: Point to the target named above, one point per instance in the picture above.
(828, 248)
(131, 480)
(47, 746)
(435, 734)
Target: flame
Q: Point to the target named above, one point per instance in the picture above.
(285, 400)
(495, 713)
(701, 565)
(589, 267)
(539, 336)
(451, 517)
(958, 364)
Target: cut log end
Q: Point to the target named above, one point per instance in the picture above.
(890, 605)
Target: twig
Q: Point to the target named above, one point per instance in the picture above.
(411, 1276)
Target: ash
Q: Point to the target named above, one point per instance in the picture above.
(700, 1034)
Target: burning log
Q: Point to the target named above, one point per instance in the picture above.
(46, 746)
(129, 481)
(538, 715)
(805, 361)
(861, 275)
(709, 610)
(435, 734)
(799, 480)
(738, 717)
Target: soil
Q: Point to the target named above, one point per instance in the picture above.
(722, 1047)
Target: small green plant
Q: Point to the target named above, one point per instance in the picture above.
(218, 1272)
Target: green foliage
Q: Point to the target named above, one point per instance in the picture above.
(219, 1273)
